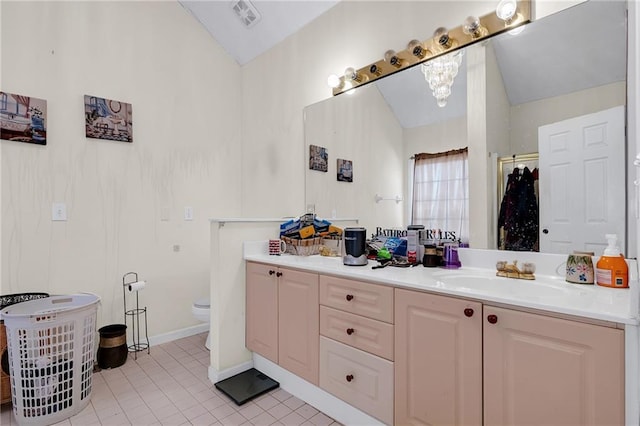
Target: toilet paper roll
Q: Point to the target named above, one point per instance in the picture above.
(137, 286)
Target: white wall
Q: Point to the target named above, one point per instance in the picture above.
(186, 99)
(526, 118)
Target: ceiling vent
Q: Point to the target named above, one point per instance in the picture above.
(246, 12)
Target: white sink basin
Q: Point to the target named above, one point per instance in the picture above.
(483, 283)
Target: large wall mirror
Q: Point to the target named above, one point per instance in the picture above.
(533, 86)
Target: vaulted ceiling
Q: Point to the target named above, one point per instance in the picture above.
(553, 48)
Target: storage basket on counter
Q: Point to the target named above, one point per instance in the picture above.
(5, 380)
(306, 247)
(51, 354)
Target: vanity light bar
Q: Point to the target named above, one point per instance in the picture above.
(407, 59)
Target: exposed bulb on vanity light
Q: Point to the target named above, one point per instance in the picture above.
(333, 81)
(350, 74)
(416, 49)
(442, 37)
(391, 58)
(506, 10)
(473, 28)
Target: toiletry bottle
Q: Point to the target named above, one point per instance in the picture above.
(611, 269)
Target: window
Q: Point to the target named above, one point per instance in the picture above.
(441, 194)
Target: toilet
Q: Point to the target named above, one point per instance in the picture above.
(201, 309)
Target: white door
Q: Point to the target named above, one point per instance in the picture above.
(582, 182)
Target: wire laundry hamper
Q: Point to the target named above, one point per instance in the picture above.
(51, 345)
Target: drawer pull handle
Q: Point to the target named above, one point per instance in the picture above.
(468, 312)
(349, 377)
(349, 297)
(279, 274)
(271, 272)
(492, 319)
(350, 331)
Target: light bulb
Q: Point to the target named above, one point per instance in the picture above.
(506, 10)
(391, 58)
(442, 36)
(417, 49)
(333, 81)
(473, 28)
(350, 73)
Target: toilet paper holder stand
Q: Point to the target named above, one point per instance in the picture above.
(131, 284)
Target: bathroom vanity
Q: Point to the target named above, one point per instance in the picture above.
(433, 346)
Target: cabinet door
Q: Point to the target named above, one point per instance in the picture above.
(261, 334)
(540, 370)
(438, 360)
(299, 322)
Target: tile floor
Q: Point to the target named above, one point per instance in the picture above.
(170, 387)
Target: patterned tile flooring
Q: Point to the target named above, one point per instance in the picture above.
(170, 387)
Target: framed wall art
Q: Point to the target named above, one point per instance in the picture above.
(23, 119)
(345, 170)
(108, 119)
(318, 158)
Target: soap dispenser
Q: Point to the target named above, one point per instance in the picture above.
(612, 269)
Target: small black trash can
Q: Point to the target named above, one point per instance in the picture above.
(112, 350)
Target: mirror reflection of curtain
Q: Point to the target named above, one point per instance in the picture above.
(441, 193)
(518, 219)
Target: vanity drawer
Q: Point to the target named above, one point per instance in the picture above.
(358, 297)
(358, 378)
(363, 333)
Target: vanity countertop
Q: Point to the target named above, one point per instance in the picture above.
(546, 292)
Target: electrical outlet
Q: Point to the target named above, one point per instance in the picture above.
(188, 213)
(59, 211)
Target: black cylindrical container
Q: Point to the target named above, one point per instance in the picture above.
(112, 351)
(355, 246)
(430, 258)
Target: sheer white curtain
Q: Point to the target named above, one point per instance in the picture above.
(441, 193)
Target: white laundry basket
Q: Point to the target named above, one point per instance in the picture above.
(51, 354)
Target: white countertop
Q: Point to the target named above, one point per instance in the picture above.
(546, 292)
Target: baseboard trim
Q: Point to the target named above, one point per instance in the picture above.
(215, 376)
(178, 334)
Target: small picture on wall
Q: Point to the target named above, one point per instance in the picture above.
(108, 119)
(23, 119)
(345, 170)
(318, 158)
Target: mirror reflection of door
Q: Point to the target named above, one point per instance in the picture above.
(518, 203)
(582, 183)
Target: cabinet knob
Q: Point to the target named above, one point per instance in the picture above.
(492, 319)
(350, 331)
(271, 272)
(278, 274)
(349, 377)
(545, 231)
(349, 297)
(468, 312)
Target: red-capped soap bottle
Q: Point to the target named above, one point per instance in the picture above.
(612, 269)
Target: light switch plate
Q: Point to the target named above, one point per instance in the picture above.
(188, 213)
(59, 211)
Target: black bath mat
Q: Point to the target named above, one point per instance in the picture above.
(247, 385)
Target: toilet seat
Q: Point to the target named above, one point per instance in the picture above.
(201, 310)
